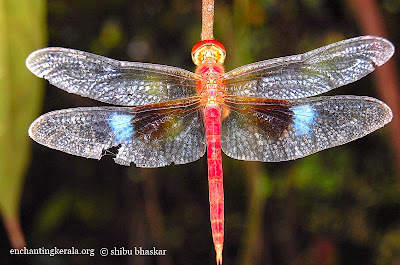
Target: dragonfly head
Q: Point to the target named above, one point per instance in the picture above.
(208, 50)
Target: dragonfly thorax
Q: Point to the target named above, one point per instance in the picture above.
(210, 86)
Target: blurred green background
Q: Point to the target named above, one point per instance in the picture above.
(340, 206)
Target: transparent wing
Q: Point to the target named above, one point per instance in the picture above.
(111, 81)
(310, 73)
(151, 136)
(280, 130)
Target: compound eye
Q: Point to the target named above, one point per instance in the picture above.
(204, 47)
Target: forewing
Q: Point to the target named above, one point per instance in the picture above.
(153, 136)
(272, 131)
(310, 73)
(111, 81)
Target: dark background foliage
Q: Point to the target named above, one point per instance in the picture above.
(340, 206)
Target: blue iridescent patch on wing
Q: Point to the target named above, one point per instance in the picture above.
(121, 125)
(303, 118)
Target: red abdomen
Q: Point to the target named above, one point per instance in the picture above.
(212, 119)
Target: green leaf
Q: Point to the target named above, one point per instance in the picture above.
(22, 30)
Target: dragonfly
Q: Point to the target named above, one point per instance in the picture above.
(264, 111)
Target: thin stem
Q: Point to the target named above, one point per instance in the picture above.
(207, 20)
(253, 241)
(15, 233)
(155, 218)
(372, 22)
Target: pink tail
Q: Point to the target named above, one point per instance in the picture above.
(212, 118)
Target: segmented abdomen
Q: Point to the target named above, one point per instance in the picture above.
(212, 119)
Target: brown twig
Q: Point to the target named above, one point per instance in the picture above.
(372, 22)
(207, 19)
